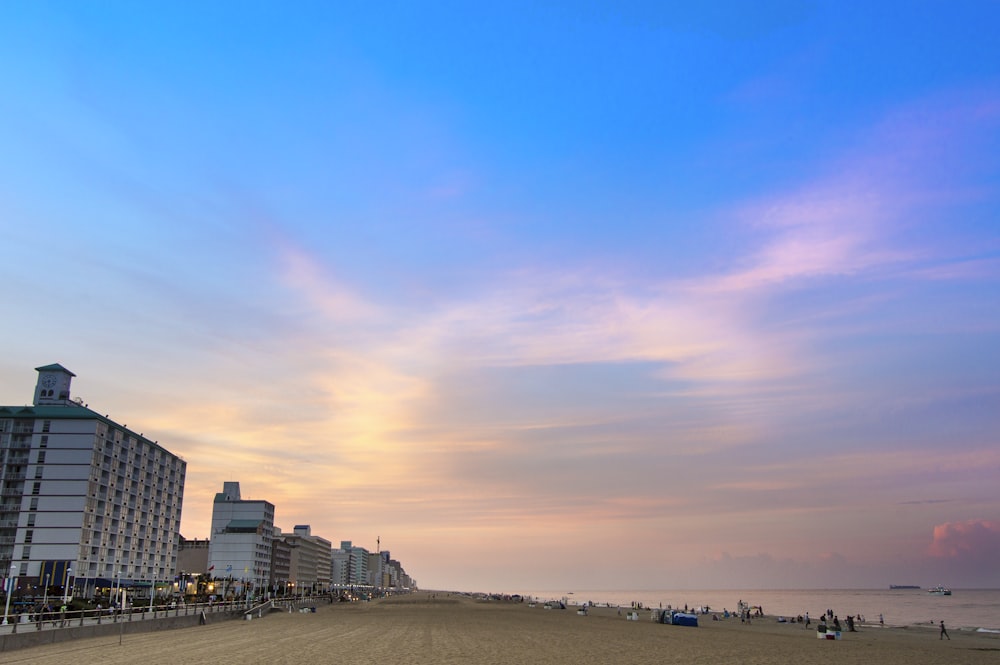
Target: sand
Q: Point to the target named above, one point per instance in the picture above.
(438, 628)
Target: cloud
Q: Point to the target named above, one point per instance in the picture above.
(971, 541)
(308, 276)
(849, 222)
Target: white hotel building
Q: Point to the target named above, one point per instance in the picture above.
(83, 500)
(239, 548)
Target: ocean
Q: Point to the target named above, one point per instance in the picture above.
(964, 609)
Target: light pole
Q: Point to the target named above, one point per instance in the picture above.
(69, 571)
(116, 588)
(11, 581)
(45, 595)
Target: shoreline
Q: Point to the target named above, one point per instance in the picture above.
(431, 627)
(970, 609)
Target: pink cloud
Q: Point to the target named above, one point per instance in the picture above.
(305, 274)
(970, 540)
(848, 221)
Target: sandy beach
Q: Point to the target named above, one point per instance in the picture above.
(438, 627)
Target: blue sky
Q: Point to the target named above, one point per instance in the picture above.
(518, 287)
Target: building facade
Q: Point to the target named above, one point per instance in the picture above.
(85, 502)
(281, 565)
(192, 557)
(310, 563)
(357, 564)
(239, 550)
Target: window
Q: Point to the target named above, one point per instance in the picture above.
(41, 457)
(31, 519)
(44, 442)
(29, 535)
(36, 488)
(34, 503)
(46, 424)
(38, 471)
(26, 552)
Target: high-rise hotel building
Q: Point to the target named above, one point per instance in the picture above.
(84, 500)
(239, 549)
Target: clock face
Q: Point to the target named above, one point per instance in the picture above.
(48, 381)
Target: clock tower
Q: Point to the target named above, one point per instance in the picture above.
(53, 385)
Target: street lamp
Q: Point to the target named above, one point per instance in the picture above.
(45, 595)
(69, 571)
(116, 588)
(11, 581)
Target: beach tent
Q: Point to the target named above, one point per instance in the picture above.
(683, 619)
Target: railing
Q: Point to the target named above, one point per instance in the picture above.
(33, 619)
(21, 619)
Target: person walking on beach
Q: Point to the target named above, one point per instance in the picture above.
(944, 633)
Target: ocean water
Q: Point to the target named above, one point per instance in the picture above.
(964, 609)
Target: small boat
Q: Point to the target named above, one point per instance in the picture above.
(939, 591)
(903, 586)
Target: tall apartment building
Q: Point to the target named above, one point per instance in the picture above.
(391, 573)
(310, 562)
(357, 564)
(340, 568)
(240, 543)
(281, 566)
(84, 500)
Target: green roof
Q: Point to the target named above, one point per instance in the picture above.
(244, 526)
(71, 412)
(53, 412)
(55, 367)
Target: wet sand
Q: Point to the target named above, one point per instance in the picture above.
(428, 627)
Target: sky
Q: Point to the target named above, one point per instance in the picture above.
(535, 295)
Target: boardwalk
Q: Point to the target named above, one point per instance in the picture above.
(33, 630)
